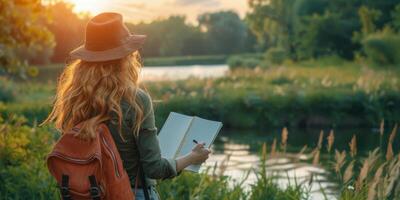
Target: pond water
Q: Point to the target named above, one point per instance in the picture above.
(157, 73)
(243, 149)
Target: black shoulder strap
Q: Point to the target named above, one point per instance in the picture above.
(94, 188)
(142, 176)
(64, 188)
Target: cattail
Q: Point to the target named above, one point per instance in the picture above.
(321, 136)
(348, 172)
(316, 157)
(340, 158)
(284, 137)
(273, 148)
(330, 139)
(382, 127)
(353, 146)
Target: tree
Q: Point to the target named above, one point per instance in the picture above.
(226, 32)
(68, 29)
(273, 22)
(23, 37)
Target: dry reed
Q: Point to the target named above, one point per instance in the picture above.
(353, 146)
(273, 148)
(330, 139)
(316, 156)
(374, 183)
(339, 160)
(320, 139)
(348, 172)
(284, 137)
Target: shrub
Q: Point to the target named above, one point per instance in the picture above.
(244, 61)
(7, 90)
(276, 55)
(23, 173)
(382, 48)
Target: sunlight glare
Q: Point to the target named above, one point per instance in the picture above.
(92, 6)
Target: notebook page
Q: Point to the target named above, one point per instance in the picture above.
(201, 130)
(172, 133)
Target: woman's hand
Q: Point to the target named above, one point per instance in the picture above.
(199, 154)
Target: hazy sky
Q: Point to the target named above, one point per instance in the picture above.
(141, 10)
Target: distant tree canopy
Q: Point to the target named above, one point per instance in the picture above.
(314, 28)
(23, 38)
(216, 33)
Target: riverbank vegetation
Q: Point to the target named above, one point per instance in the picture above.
(357, 177)
(296, 96)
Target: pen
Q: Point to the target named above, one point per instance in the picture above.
(195, 141)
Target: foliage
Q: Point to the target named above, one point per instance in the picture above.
(303, 95)
(23, 174)
(383, 48)
(250, 61)
(313, 28)
(200, 186)
(22, 36)
(217, 33)
(226, 32)
(7, 90)
(276, 55)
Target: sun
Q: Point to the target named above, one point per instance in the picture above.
(92, 6)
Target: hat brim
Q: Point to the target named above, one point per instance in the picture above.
(132, 43)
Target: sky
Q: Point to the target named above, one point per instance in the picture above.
(147, 10)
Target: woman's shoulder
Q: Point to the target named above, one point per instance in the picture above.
(144, 98)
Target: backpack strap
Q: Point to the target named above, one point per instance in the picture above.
(64, 188)
(94, 188)
(140, 174)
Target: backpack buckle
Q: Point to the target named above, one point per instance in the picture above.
(94, 192)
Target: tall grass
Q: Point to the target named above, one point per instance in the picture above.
(23, 174)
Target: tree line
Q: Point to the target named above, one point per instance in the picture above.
(32, 32)
(216, 33)
(304, 29)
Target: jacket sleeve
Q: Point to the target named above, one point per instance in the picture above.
(154, 165)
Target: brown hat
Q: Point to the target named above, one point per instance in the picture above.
(107, 38)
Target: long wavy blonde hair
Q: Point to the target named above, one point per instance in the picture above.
(88, 92)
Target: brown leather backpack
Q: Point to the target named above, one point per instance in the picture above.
(89, 169)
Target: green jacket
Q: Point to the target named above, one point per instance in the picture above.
(155, 167)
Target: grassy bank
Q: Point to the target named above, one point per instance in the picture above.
(185, 60)
(297, 96)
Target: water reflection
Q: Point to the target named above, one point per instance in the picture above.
(155, 73)
(239, 151)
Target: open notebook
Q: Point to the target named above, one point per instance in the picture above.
(177, 135)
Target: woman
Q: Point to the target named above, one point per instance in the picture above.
(102, 85)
